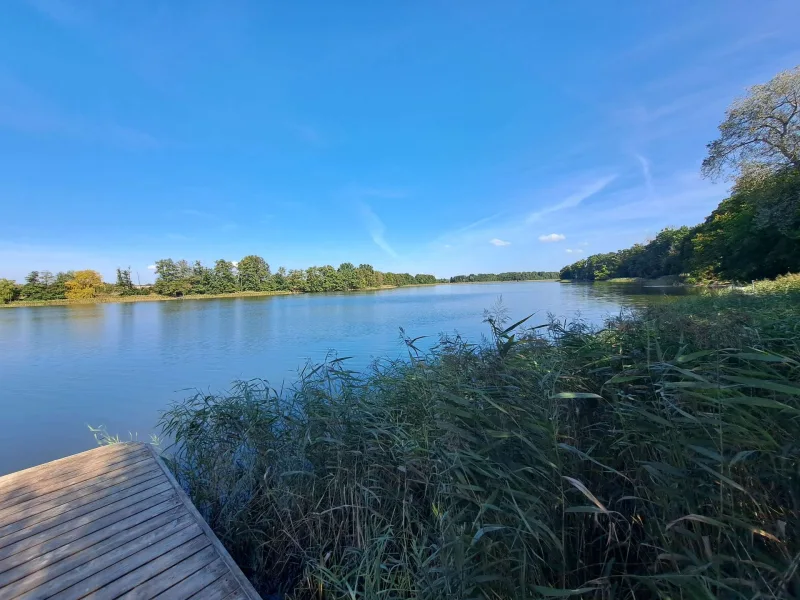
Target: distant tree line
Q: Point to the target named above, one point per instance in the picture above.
(253, 274)
(179, 277)
(43, 285)
(667, 254)
(510, 276)
(754, 233)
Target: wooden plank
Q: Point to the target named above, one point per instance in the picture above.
(145, 574)
(107, 523)
(68, 475)
(82, 585)
(237, 594)
(224, 588)
(82, 504)
(197, 582)
(90, 546)
(107, 503)
(61, 496)
(69, 482)
(38, 572)
(111, 510)
(175, 574)
(32, 492)
(95, 531)
(86, 455)
(46, 473)
(243, 582)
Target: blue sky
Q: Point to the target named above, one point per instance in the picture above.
(434, 136)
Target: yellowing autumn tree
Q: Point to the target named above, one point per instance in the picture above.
(84, 284)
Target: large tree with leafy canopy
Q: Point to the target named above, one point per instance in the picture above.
(84, 284)
(254, 274)
(760, 130)
(8, 291)
(171, 279)
(223, 278)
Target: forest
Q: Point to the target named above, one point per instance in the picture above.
(180, 278)
(752, 234)
(252, 274)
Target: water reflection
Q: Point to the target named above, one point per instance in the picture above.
(120, 364)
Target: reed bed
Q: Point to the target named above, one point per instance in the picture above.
(658, 456)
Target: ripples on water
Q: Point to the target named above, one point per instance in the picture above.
(62, 367)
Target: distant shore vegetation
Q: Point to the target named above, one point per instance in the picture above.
(251, 275)
(753, 234)
(509, 276)
(176, 278)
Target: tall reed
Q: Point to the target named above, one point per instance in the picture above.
(657, 457)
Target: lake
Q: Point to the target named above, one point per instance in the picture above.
(119, 365)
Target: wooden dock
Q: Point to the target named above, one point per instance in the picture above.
(109, 523)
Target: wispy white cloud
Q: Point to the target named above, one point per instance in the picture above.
(574, 251)
(376, 229)
(499, 242)
(646, 173)
(588, 190)
(479, 222)
(552, 237)
(682, 195)
(151, 267)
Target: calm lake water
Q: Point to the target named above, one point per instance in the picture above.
(119, 365)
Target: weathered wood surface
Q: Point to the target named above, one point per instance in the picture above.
(109, 523)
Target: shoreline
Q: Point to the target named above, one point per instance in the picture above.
(157, 298)
(510, 281)
(659, 282)
(145, 298)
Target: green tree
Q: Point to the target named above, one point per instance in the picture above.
(44, 285)
(296, 280)
(184, 269)
(47, 278)
(8, 291)
(171, 280)
(223, 279)
(331, 281)
(367, 277)
(201, 279)
(124, 283)
(761, 129)
(314, 281)
(254, 273)
(59, 287)
(348, 276)
(33, 288)
(753, 234)
(279, 279)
